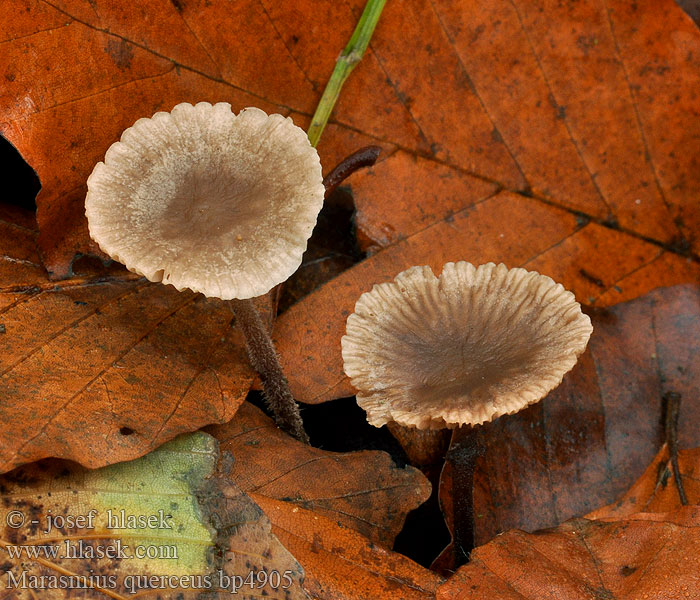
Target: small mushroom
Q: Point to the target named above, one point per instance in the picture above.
(204, 199)
(467, 347)
(223, 204)
(455, 351)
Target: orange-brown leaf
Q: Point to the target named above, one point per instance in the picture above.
(341, 564)
(574, 104)
(656, 490)
(645, 545)
(592, 109)
(656, 556)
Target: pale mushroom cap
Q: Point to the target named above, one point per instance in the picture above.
(467, 347)
(204, 199)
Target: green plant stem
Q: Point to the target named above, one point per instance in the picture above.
(346, 63)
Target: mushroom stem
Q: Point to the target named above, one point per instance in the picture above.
(265, 361)
(364, 157)
(465, 448)
(422, 447)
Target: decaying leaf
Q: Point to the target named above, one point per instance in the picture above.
(649, 554)
(588, 106)
(340, 564)
(19, 258)
(361, 490)
(645, 545)
(100, 370)
(161, 526)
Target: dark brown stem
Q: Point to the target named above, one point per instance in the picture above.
(265, 361)
(672, 409)
(364, 157)
(465, 448)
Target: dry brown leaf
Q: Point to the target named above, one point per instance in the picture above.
(652, 555)
(656, 490)
(588, 106)
(340, 564)
(364, 490)
(645, 545)
(593, 109)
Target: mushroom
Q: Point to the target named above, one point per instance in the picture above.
(467, 347)
(459, 350)
(223, 204)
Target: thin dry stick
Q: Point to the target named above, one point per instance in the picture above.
(364, 157)
(673, 408)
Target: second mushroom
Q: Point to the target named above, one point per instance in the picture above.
(459, 350)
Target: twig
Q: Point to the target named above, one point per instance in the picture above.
(343, 67)
(364, 157)
(673, 407)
